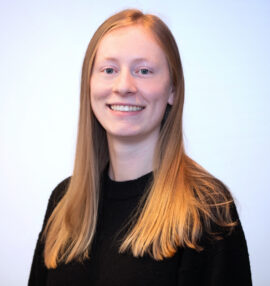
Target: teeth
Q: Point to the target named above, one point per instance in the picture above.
(125, 108)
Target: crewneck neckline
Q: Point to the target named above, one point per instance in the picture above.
(123, 190)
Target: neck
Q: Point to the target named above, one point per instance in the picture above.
(130, 159)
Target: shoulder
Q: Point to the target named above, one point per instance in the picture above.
(55, 197)
(222, 260)
(227, 237)
(219, 215)
(59, 191)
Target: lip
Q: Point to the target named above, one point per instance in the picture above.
(125, 104)
(125, 113)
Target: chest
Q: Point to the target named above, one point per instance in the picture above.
(106, 265)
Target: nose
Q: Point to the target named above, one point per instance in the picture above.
(124, 83)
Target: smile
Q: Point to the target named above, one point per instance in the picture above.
(127, 108)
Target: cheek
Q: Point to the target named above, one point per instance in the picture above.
(98, 91)
(156, 91)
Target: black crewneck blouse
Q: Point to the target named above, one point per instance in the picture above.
(224, 262)
(125, 190)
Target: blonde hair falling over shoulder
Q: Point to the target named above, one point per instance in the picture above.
(183, 199)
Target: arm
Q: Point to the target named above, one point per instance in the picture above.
(228, 260)
(222, 262)
(38, 272)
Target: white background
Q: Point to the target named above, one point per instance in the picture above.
(224, 47)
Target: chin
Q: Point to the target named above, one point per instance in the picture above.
(124, 133)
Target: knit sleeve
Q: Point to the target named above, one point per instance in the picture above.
(222, 262)
(38, 272)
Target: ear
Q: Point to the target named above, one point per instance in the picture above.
(171, 96)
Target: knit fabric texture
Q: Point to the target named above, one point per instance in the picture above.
(222, 262)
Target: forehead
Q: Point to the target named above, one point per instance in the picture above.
(131, 41)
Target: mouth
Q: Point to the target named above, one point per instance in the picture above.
(125, 108)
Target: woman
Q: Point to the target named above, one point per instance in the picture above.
(137, 210)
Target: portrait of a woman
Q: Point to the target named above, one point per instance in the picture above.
(137, 210)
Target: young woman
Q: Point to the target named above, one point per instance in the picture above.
(137, 210)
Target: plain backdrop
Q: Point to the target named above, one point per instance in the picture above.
(224, 47)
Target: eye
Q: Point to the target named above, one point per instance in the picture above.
(144, 71)
(108, 70)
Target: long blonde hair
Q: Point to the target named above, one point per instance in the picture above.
(183, 199)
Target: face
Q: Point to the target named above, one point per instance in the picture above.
(130, 83)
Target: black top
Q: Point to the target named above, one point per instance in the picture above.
(222, 262)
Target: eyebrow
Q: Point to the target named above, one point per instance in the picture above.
(135, 60)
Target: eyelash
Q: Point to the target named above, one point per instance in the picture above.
(139, 71)
(145, 69)
(106, 69)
